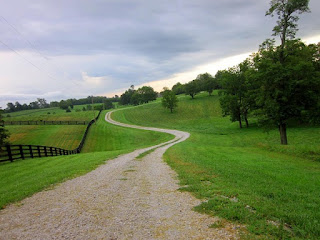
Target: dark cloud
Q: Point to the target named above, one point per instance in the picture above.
(142, 40)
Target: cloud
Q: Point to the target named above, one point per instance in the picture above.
(95, 47)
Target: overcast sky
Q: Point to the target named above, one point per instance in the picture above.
(74, 48)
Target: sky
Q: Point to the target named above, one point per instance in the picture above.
(57, 49)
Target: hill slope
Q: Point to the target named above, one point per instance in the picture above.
(274, 189)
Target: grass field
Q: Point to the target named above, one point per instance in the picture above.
(23, 178)
(62, 136)
(274, 189)
(51, 114)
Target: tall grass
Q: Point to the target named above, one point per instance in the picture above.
(275, 189)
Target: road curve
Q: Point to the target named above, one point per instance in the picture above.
(126, 198)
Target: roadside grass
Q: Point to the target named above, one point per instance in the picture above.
(63, 136)
(243, 175)
(23, 178)
(104, 136)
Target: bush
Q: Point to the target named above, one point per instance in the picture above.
(68, 110)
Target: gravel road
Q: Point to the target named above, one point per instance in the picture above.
(126, 198)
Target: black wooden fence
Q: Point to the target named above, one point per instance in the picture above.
(14, 152)
(4, 123)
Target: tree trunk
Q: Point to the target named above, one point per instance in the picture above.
(240, 123)
(247, 122)
(283, 134)
(171, 109)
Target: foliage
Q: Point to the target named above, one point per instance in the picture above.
(136, 97)
(288, 90)
(107, 104)
(178, 88)
(4, 135)
(207, 82)
(192, 88)
(169, 100)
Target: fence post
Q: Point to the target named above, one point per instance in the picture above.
(9, 153)
(51, 151)
(39, 153)
(45, 151)
(21, 151)
(55, 150)
(30, 149)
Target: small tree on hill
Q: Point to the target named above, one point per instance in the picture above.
(169, 100)
(192, 88)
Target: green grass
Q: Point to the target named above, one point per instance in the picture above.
(23, 178)
(106, 137)
(67, 137)
(270, 182)
(51, 114)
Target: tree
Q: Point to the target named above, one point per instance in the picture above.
(43, 103)
(192, 88)
(4, 135)
(11, 107)
(286, 26)
(178, 88)
(107, 104)
(278, 65)
(207, 82)
(288, 90)
(169, 100)
(147, 94)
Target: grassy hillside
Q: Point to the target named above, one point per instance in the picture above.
(51, 114)
(273, 189)
(107, 137)
(25, 177)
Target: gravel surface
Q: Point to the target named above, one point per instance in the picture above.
(126, 198)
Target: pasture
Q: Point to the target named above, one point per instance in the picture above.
(243, 175)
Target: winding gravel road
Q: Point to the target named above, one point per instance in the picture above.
(126, 198)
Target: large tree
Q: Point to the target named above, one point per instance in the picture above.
(192, 88)
(279, 64)
(288, 90)
(207, 82)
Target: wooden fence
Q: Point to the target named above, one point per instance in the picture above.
(4, 123)
(14, 152)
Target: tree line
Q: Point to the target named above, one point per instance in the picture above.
(41, 103)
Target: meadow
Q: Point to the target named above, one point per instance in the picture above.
(242, 175)
(23, 178)
(52, 114)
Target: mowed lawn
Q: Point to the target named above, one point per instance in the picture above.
(62, 136)
(275, 190)
(22, 178)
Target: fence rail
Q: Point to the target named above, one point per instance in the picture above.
(14, 152)
(5, 123)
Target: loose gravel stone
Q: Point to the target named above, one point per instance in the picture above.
(122, 199)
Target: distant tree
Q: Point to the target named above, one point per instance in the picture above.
(64, 105)
(125, 98)
(43, 103)
(147, 94)
(11, 107)
(18, 106)
(107, 104)
(54, 104)
(34, 105)
(169, 100)
(207, 82)
(4, 135)
(192, 88)
(68, 110)
(178, 88)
